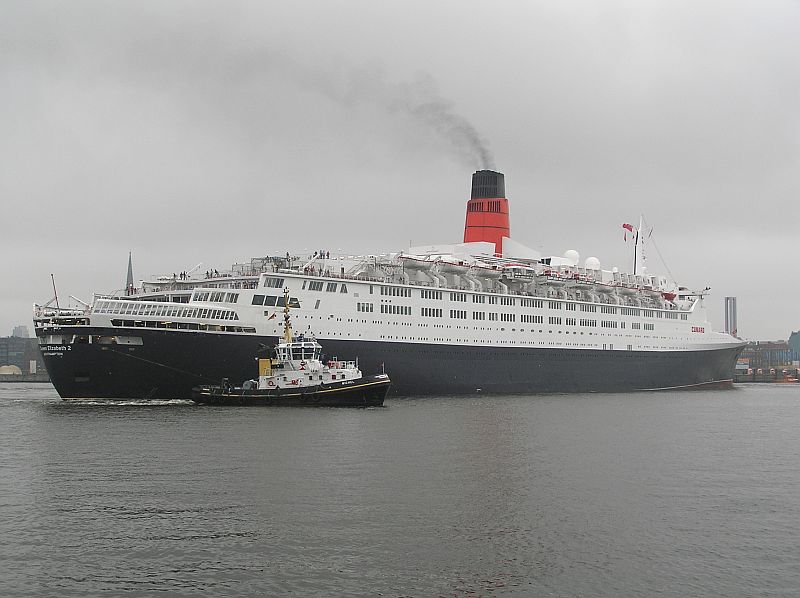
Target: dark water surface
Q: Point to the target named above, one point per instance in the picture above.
(671, 494)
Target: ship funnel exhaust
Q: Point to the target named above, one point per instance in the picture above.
(487, 210)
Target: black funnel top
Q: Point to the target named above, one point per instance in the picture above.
(488, 184)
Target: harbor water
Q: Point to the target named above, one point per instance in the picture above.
(668, 494)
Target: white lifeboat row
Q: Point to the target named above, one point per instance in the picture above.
(558, 278)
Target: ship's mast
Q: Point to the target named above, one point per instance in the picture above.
(636, 250)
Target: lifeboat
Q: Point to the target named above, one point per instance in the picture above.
(488, 271)
(604, 289)
(553, 278)
(417, 264)
(458, 268)
(581, 283)
(627, 291)
(520, 272)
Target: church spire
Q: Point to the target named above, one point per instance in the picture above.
(129, 284)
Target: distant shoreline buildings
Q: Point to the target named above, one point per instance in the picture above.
(20, 358)
(767, 360)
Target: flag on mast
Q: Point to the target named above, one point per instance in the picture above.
(628, 229)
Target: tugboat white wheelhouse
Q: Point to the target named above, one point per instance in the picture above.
(486, 315)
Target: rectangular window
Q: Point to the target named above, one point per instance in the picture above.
(273, 283)
(331, 288)
(258, 300)
(293, 302)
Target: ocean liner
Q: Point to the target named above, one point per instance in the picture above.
(486, 315)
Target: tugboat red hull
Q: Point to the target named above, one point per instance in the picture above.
(368, 391)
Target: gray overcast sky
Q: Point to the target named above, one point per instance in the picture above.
(213, 132)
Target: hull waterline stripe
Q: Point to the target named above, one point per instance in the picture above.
(724, 381)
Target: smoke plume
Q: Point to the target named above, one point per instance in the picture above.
(418, 99)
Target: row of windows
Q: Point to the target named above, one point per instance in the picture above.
(274, 301)
(181, 326)
(162, 311)
(316, 285)
(477, 315)
(215, 296)
(531, 319)
(531, 302)
(524, 302)
(402, 310)
(273, 283)
(396, 291)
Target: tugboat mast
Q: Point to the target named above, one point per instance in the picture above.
(287, 325)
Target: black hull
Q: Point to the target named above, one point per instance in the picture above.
(170, 363)
(369, 391)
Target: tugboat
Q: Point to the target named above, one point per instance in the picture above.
(295, 375)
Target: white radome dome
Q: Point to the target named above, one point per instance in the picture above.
(572, 256)
(592, 263)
